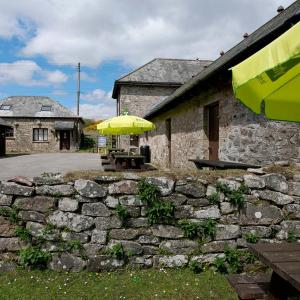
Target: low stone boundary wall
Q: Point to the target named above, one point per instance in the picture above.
(78, 224)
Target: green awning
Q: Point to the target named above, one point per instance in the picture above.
(269, 81)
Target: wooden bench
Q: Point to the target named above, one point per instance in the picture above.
(250, 287)
(130, 161)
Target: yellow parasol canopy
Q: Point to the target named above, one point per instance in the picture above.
(271, 78)
(125, 125)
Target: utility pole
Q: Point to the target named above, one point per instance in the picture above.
(78, 88)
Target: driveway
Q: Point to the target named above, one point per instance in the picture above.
(36, 164)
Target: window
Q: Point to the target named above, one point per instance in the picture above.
(9, 132)
(46, 108)
(5, 107)
(40, 134)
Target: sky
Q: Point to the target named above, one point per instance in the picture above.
(41, 42)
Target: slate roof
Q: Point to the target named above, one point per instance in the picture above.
(30, 106)
(247, 47)
(3, 123)
(163, 71)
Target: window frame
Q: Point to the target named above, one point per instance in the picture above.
(46, 106)
(9, 132)
(5, 107)
(42, 133)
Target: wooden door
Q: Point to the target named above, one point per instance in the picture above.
(64, 140)
(213, 131)
(169, 141)
(2, 141)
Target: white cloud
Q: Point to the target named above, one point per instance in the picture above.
(132, 31)
(29, 73)
(100, 105)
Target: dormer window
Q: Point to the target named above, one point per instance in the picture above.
(46, 108)
(5, 107)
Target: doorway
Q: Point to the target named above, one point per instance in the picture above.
(169, 141)
(2, 141)
(64, 140)
(213, 131)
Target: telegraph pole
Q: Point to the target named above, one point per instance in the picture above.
(78, 88)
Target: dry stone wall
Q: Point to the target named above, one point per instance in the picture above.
(84, 213)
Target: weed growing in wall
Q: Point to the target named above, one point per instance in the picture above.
(116, 251)
(34, 257)
(23, 234)
(251, 237)
(158, 211)
(214, 199)
(196, 267)
(122, 214)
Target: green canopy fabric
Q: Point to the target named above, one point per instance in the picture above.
(272, 76)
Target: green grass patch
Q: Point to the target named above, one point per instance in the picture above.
(144, 284)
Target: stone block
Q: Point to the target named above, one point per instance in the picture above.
(295, 188)
(99, 236)
(72, 221)
(34, 216)
(227, 208)
(124, 234)
(68, 204)
(179, 246)
(167, 231)
(200, 202)
(71, 236)
(39, 230)
(104, 223)
(95, 209)
(127, 187)
(104, 263)
(90, 189)
(5, 200)
(11, 188)
(7, 229)
(129, 247)
(217, 246)
(111, 202)
(261, 214)
(212, 212)
(176, 199)
(11, 244)
(276, 197)
(148, 239)
(63, 190)
(254, 182)
(138, 222)
(164, 184)
(227, 232)
(292, 211)
(144, 261)
(260, 231)
(183, 212)
(276, 182)
(37, 203)
(130, 201)
(48, 180)
(175, 261)
(66, 262)
(193, 190)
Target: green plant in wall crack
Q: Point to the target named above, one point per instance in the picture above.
(251, 237)
(160, 212)
(11, 213)
(196, 267)
(148, 193)
(214, 198)
(204, 229)
(235, 197)
(48, 229)
(291, 236)
(23, 234)
(116, 251)
(122, 214)
(34, 257)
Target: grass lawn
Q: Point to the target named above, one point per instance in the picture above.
(143, 284)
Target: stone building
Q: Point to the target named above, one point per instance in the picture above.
(202, 119)
(39, 124)
(3, 128)
(138, 91)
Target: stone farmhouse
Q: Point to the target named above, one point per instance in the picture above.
(202, 118)
(39, 124)
(138, 91)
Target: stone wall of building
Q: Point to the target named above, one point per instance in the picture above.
(138, 100)
(22, 142)
(243, 136)
(61, 214)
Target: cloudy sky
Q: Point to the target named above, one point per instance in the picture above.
(41, 41)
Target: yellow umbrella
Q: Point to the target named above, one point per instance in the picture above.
(125, 125)
(271, 78)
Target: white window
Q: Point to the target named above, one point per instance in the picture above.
(40, 134)
(5, 107)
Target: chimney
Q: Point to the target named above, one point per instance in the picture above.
(222, 53)
(245, 35)
(280, 9)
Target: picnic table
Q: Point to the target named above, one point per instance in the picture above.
(131, 161)
(284, 260)
(112, 150)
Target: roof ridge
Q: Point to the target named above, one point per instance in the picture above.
(182, 59)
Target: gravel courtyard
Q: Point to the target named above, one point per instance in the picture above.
(36, 164)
